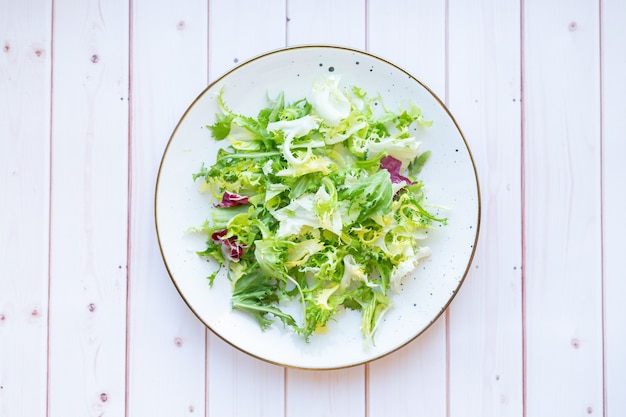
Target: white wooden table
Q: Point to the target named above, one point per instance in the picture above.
(90, 323)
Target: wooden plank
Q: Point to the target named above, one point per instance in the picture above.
(25, 39)
(614, 202)
(326, 22)
(337, 392)
(411, 381)
(239, 385)
(166, 346)
(562, 225)
(240, 30)
(88, 240)
(326, 393)
(418, 42)
(486, 357)
(415, 376)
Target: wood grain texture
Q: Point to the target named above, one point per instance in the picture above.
(614, 203)
(88, 209)
(563, 268)
(326, 393)
(486, 317)
(411, 381)
(411, 34)
(25, 40)
(326, 22)
(415, 376)
(240, 385)
(240, 30)
(166, 345)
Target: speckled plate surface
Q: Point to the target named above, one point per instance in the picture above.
(449, 175)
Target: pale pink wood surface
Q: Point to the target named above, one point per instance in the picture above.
(90, 323)
(613, 64)
(562, 195)
(88, 208)
(25, 84)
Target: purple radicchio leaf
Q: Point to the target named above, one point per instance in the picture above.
(231, 248)
(393, 165)
(232, 200)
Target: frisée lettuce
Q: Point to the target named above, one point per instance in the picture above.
(317, 202)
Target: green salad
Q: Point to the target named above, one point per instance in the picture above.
(317, 203)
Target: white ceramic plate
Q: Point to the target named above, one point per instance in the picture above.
(449, 175)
